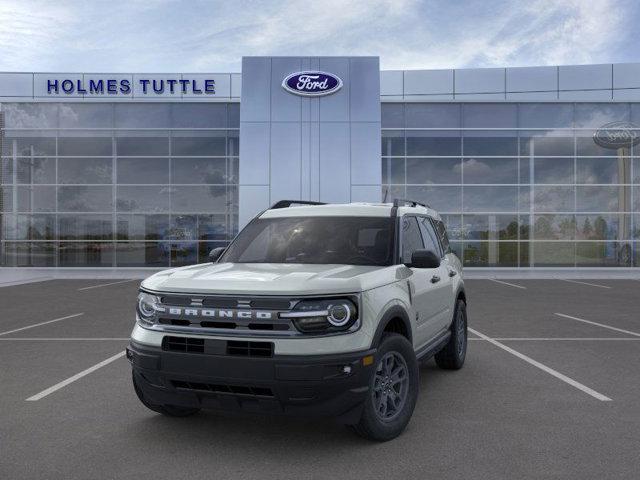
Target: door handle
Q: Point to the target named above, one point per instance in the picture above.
(435, 279)
(452, 273)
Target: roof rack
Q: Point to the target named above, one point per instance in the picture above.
(288, 203)
(401, 202)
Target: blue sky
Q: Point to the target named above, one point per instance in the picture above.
(212, 36)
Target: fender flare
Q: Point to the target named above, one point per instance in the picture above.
(395, 311)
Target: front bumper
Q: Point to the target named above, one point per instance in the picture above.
(333, 385)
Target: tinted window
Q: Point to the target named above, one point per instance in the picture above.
(315, 240)
(411, 238)
(429, 236)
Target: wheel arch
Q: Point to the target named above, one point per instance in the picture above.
(397, 319)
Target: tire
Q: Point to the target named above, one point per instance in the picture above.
(168, 410)
(452, 356)
(381, 423)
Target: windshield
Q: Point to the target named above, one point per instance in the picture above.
(321, 240)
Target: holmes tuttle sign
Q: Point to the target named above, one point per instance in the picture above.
(617, 135)
(312, 83)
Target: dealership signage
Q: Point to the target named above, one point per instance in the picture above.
(312, 83)
(124, 86)
(617, 135)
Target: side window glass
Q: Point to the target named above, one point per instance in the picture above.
(429, 235)
(444, 239)
(411, 238)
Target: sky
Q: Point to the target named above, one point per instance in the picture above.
(212, 36)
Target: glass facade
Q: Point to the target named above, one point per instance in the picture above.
(519, 184)
(115, 184)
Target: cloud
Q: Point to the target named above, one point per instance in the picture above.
(168, 35)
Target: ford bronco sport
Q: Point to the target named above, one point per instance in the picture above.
(313, 309)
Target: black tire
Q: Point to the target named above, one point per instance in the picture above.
(452, 356)
(383, 426)
(168, 410)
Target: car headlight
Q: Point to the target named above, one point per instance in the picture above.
(147, 307)
(324, 316)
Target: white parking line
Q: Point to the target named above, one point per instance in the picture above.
(41, 323)
(507, 283)
(599, 324)
(77, 376)
(107, 284)
(583, 283)
(556, 339)
(83, 339)
(544, 368)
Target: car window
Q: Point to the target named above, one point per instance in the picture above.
(442, 233)
(411, 238)
(429, 236)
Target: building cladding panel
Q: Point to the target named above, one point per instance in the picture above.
(132, 169)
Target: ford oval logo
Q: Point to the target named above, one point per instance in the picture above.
(312, 84)
(617, 135)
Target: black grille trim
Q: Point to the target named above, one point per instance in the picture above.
(183, 344)
(249, 349)
(252, 391)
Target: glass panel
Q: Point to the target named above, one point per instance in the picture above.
(553, 254)
(212, 227)
(490, 227)
(233, 170)
(598, 114)
(86, 115)
(209, 143)
(603, 170)
(490, 170)
(454, 226)
(40, 254)
(585, 145)
(29, 146)
(184, 253)
(525, 170)
(36, 199)
(85, 170)
(456, 247)
(603, 254)
(393, 170)
(85, 227)
(442, 199)
(6, 199)
(133, 170)
(30, 115)
(491, 254)
(604, 227)
(142, 146)
(636, 254)
(432, 115)
(434, 170)
(233, 111)
(433, 143)
(199, 199)
(545, 115)
(554, 227)
(205, 247)
(36, 170)
(91, 146)
(490, 199)
(636, 170)
(546, 144)
(392, 143)
(85, 199)
(183, 227)
(554, 199)
(636, 226)
(553, 170)
(392, 115)
(35, 227)
(199, 170)
(525, 227)
(141, 115)
(488, 115)
(138, 254)
(526, 252)
(489, 145)
(78, 254)
(233, 143)
(142, 227)
(143, 199)
(6, 170)
(199, 115)
(593, 199)
(390, 193)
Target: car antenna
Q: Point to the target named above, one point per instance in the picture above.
(386, 192)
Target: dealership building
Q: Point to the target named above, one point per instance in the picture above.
(530, 167)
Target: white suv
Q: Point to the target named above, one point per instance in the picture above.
(313, 309)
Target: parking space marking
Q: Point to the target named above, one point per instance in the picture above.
(41, 323)
(83, 339)
(107, 284)
(629, 332)
(559, 339)
(507, 283)
(544, 368)
(77, 376)
(584, 283)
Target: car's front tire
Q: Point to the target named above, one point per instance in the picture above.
(393, 390)
(452, 356)
(169, 410)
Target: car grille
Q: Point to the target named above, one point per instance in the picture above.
(217, 347)
(252, 391)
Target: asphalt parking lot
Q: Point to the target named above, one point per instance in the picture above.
(551, 389)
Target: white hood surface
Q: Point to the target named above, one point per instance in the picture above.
(271, 279)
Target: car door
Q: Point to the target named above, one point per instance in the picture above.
(423, 288)
(444, 285)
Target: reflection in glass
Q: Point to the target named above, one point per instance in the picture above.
(35, 170)
(199, 115)
(554, 227)
(392, 115)
(78, 254)
(490, 227)
(433, 143)
(490, 199)
(36, 198)
(35, 227)
(30, 115)
(554, 199)
(90, 146)
(443, 199)
(603, 254)
(489, 144)
(545, 115)
(85, 170)
(553, 170)
(86, 115)
(598, 114)
(85, 227)
(434, 170)
(211, 144)
(142, 146)
(132, 170)
(142, 198)
(546, 144)
(490, 170)
(183, 253)
(199, 170)
(603, 170)
(392, 143)
(142, 227)
(142, 115)
(490, 254)
(553, 254)
(198, 199)
(602, 198)
(85, 199)
(602, 226)
(30, 146)
(433, 115)
(139, 254)
(38, 254)
(393, 170)
(490, 115)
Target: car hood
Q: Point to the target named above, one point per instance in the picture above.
(271, 279)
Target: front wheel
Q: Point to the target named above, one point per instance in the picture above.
(452, 356)
(393, 390)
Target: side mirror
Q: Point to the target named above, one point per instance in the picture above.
(215, 254)
(424, 259)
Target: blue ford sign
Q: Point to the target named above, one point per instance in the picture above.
(312, 83)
